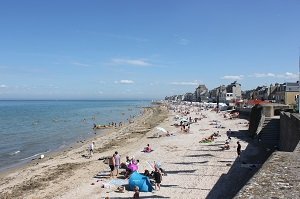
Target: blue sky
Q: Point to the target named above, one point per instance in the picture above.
(138, 49)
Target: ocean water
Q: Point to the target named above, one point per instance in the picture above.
(31, 128)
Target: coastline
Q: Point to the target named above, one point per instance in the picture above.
(194, 169)
(19, 181)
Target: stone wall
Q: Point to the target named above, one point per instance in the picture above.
(256, 120)
(289, 131)
(279, 178)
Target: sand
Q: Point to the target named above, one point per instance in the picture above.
(192, 168)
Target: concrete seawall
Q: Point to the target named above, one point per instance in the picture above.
(289, 131)
(279, 177)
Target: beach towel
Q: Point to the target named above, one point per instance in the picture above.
(145, 151)
(118, 182)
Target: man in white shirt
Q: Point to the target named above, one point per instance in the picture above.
(91, 149)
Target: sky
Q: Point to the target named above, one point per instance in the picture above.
(139, 49)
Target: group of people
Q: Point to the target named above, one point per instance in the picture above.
(210, 138)
(185, 126)
(112, 124)
(156, 175)
(130, 165)
(114, 163)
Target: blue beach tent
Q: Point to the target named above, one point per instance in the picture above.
(141, 181)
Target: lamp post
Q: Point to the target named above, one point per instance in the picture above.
(218, 98)
(299, 84)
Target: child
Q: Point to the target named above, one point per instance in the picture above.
(136, 192)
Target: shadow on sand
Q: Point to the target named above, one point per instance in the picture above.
(231, 183)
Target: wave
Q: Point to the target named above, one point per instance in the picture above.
(14, 153)
(30, 157)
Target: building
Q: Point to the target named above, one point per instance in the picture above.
(234, 91)
(201, 93)
(226, 94)
(286, 93)
(218, 94)
(190, 97)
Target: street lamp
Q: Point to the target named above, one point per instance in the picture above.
(299, 84)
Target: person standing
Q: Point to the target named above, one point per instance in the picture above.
(157, 177)
(238, 149)
(111, 163)
(91, 149)
(117, 162)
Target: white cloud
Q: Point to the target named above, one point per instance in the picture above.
(124, 81)
(80, 64)
(183, 41)
(133, 62)
(3, 86)
(286, 75)
(233, 77)
(264, 75)
(195, 83)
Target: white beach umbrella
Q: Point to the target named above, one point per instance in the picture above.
(162, 129)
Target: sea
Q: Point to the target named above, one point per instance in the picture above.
(30, 128)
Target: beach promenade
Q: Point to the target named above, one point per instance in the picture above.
(193, 169)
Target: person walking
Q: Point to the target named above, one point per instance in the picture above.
(117, 162)
(91, 149)
(238, 149)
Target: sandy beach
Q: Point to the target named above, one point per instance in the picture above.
(192, 169)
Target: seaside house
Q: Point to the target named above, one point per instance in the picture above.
(218, 93)
(226, 94)
(234, 91)
(261, 93)
(202, 93)
(190, 97)
(247, 95)
(285, 93)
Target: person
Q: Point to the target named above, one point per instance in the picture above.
(147, 173)
(157, 178)
(226, 146)
(238, 149)
(136, 192)
(117, 162)
(147, 148)
(228, 139)
(91, 149)
(111, 163)
(128, 160)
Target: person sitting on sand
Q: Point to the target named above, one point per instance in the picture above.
(226, 146)
(147, 173)
(147, 149)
